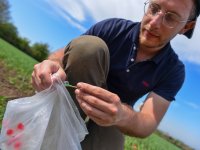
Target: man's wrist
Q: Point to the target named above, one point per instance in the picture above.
(125, 115)
(55, 59)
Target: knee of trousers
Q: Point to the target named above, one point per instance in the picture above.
(86, 55)
(89, 47)
(87, 51)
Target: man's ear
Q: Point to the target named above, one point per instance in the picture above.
(187, 27)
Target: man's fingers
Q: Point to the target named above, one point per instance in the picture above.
(95, 102)
(45, 79)
(61, 73)
(42, 74)
(36, 83)
(96, 115)
(40, 78)
(98, 92)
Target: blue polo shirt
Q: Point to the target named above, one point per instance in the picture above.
(163, 74)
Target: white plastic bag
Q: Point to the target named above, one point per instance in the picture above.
(48, 120)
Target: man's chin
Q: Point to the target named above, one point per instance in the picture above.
(151, 43)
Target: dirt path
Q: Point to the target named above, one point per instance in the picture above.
(6, 88)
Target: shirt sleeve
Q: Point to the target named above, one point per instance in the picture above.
(108, 29)
(171, 82)
(101, 29)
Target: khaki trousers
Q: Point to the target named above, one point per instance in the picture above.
(86, 59)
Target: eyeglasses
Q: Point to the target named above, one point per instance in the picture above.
(169, 19)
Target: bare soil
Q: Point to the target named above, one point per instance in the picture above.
(7, 89)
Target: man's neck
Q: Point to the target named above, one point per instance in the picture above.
(146, 53)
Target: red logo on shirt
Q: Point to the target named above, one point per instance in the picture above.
(145, 83)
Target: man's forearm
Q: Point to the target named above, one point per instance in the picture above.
(136, 123)
(57, 56)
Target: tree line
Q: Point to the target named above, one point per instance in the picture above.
(9, 32)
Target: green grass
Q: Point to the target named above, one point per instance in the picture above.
(18, 62)
(154, 142)
(16, 59)
(2, 107)
(22, 65)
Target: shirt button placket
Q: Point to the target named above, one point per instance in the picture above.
(134, 47)
(132, 59)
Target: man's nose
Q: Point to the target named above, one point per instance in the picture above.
(156, 20)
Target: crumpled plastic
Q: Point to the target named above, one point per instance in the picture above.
(48, 120)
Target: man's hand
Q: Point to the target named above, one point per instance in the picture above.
(41, 75)
(106, 109)
(102, 106)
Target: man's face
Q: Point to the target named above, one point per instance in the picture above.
(163, 20)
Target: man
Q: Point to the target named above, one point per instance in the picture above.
(115, 63)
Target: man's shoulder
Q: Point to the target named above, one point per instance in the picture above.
(118, 22)
(111, 28)
(116, 25)
(175, 65)
(175, 59)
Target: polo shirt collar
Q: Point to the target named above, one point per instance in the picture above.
(164, 52)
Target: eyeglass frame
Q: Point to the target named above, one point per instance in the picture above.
(163, 18)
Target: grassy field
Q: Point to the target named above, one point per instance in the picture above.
(19, 65)
(22, 66)
(15, 58)
(154, 142)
